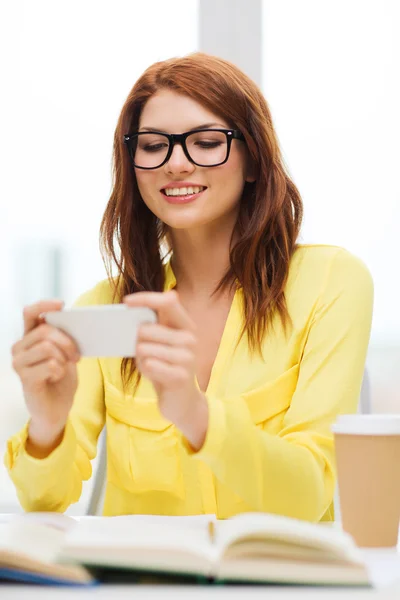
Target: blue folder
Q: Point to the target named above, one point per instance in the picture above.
(18, 576)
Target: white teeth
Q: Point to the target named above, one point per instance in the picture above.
(184, 191)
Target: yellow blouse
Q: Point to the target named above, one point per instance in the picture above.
(269, 445)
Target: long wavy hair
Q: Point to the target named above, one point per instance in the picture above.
(134, 240)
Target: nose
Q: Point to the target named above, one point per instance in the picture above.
(178, 161)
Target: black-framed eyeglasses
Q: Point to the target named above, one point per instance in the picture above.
(202, 147)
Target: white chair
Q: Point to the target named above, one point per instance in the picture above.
(96, 501)
(365, 405)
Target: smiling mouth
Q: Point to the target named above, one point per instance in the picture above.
(183, 191)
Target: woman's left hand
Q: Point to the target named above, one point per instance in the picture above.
(166, 353)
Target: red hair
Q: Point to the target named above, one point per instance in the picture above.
(270, 211)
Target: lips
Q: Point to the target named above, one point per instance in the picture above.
(182, 189)
(184, 198)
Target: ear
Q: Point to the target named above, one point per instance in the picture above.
(250, 179)
(250, 171)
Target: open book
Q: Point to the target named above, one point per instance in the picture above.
(252, 547)
(29, 549)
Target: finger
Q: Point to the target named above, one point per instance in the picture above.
(179, 356)
(41, 352)
(159, 372)
(50, 370)
(167, 306)
(32, 313)
(154, 332)
(54, 335)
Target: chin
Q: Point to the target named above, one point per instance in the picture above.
(183, 223)
(174, 216)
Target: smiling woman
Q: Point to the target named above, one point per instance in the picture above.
(161, 160)
(259, 343)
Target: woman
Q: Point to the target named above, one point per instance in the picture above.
(260, 342)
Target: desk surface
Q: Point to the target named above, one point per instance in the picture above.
(383, 565)
(122, 592)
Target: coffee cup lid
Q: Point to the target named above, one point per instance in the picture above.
(387, 424)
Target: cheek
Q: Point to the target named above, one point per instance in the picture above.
(232, 179)
(146, 183)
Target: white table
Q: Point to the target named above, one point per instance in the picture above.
(125, 592)
(383, 565)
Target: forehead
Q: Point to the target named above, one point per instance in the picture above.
(175, 113)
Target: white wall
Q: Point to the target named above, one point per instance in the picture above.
(331, 77)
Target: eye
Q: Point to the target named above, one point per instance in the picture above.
(154, 147)
(205, 144)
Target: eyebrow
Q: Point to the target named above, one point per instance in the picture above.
(204, 126)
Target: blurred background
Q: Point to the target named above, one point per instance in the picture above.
(330, 73)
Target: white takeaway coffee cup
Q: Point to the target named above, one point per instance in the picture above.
(368, 465)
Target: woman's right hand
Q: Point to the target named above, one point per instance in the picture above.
(45, 360)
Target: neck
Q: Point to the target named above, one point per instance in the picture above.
(200, 260)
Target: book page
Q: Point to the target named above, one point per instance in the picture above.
(141, 541)
(197, 521)
(286, 534)
(56, 520)
(32, 539)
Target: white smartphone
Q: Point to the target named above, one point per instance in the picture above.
(106, 330)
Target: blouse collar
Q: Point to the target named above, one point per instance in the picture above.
(170, 279)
